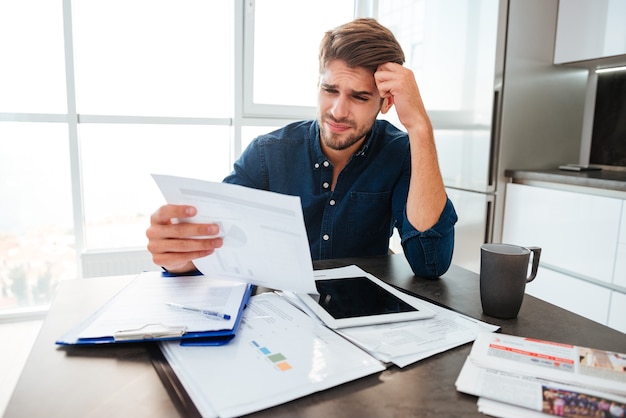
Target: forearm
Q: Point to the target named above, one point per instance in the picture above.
(427, 195)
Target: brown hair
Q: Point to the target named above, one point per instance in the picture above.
(361, 43)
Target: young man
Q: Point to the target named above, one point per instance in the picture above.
(357, 177)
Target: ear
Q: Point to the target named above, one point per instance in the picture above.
(386, 105)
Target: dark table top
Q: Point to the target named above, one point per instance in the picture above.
(134, 380)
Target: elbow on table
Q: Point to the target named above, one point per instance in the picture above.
(431, 260)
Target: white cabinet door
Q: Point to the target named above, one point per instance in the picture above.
(577, 232)
(575, 295)
(617, 313)
(590, 29)
(619, 276)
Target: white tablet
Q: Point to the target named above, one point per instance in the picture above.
(362, 300)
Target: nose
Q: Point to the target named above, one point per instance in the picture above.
(340, 108)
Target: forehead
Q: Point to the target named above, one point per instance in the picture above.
(338, 74)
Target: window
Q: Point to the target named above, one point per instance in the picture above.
(451, 47)
(96, 96)
(37, 243)
(284, 51)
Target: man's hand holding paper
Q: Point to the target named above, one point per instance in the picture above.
(237, 233)
(173, 244)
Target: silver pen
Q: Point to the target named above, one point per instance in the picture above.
(206, 312)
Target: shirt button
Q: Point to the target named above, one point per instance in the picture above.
(317, 165)
(325, 237)
(332, 202)
(325, 185)
(326, 163)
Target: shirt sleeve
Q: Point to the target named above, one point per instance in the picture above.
(249, 170)
(430, 252)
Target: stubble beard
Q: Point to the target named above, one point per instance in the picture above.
(336, 141)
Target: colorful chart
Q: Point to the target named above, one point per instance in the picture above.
(278, 359)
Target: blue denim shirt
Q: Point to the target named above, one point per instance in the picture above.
(357, 217)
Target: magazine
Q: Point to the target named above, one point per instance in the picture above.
(549, 378)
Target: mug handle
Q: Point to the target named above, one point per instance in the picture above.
(536, 254)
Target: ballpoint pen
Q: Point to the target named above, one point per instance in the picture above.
(205, 312)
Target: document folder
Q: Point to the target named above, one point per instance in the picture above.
(149, 309)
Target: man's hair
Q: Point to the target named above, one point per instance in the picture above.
(361, 43)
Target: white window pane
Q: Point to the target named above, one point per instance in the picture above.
(154, 57)
(32, 67)
(451, 53)
(286, 50)
(117, 160)
(36, 232)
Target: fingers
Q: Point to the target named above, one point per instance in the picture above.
(392, 79)
(398, 83)
(175, 244)
(165, 213)
(181, 230)
(175, 253)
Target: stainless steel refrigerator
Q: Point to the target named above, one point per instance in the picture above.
(496, 101)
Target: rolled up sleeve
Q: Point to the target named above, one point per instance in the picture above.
(429, 252)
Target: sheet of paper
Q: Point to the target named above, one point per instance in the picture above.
(446, 329)
(502, 410)
(279, 354)
(144, 302)
(404, 343)
(265, 240)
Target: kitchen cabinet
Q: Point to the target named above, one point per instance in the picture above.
(577, 296)
(617, 314)
(577, 232)
(619, 276)
(590, 30)
(582, 234)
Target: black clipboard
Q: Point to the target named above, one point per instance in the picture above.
(171, 324)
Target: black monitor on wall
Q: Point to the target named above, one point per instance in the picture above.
(608, 133)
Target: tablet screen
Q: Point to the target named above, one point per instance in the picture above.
(356, 297)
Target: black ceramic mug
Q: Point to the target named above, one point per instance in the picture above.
(503, 277)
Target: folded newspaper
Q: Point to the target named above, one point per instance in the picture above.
(514, 374)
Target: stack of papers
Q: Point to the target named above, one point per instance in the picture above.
(279, 354)
(524, 377)
(151, 307)
(404, 343)
(282, 352)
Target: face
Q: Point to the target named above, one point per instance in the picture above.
(348, 104)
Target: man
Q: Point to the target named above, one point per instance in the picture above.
(357, 177)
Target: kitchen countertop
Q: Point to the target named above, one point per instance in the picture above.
(603, 179)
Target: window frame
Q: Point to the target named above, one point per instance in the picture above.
(244, 114)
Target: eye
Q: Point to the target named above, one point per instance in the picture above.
(361, 98)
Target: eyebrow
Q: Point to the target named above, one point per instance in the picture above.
(353, 92)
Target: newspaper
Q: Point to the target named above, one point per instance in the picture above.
(551, 379)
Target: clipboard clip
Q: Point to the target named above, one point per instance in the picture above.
(150, 332)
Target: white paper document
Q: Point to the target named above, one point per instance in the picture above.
(279, 354)
(265, 240)
(509, 372)
(147, 300)
(404, 343)
(146, 306)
